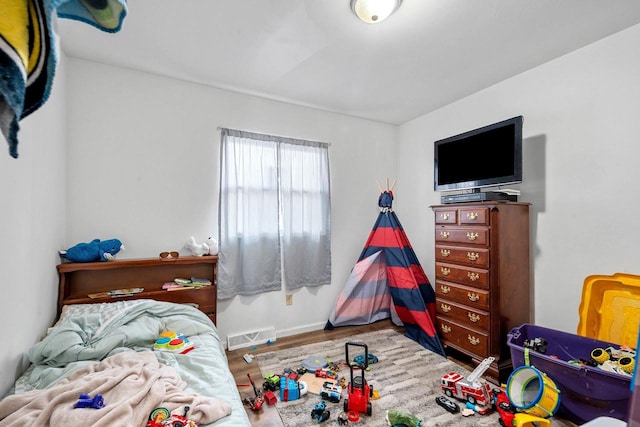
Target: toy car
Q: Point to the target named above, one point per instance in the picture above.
(536, 344)
(271, 382)
(319, 412)
(359, 359)
(331, 392)
(504, 407)
(447, 404)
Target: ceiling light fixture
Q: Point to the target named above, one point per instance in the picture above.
(374, 11)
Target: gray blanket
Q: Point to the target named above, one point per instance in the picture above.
(132, 383)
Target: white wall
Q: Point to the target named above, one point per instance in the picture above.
(32, 224)
(581, 171)
(143, 167)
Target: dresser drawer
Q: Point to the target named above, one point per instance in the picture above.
(478, 216)
(475, 257)
(467, 235)
(462, 337)
(463, 314)
(464, 275)
(471, 297)
(449, 216)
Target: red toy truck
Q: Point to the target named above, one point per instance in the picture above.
(471, 389)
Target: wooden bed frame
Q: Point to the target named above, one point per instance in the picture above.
(78, 280)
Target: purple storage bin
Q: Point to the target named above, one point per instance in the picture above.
(585, 392)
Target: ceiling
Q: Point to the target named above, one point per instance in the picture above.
(317, 53)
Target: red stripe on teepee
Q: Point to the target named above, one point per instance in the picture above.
(401, 277)
(419, 274)
(384, 237)
(421, 318)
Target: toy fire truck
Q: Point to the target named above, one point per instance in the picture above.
(471, 389)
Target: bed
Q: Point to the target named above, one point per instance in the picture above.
(107, 346)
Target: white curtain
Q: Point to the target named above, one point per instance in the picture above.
(274, 212)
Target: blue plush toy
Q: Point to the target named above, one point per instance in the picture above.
(96, 250)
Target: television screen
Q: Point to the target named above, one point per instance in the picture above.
(487, 156)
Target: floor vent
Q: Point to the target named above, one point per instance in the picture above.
(247, 339)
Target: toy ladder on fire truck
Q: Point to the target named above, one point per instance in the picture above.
(480, 369)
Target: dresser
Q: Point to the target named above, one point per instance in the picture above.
(482, 279)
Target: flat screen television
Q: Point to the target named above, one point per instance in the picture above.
(483, 157)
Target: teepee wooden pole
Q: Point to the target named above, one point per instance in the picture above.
(380, 186)
(393, 184)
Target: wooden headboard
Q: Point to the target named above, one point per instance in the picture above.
(78, 280)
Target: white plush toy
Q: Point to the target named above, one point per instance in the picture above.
(210, 247)
(213, 246)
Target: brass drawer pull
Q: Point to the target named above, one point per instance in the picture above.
(473, 276)
(444, 216)
(446, 329)
(444, 234)
(446, 308)
(472, 236)
(445, 252)
(445, 271)
(473, 340)
(445, 289)
(472, 216)
(473, 297)
(473, 256)
(473, 317)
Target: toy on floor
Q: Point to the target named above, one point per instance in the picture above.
(371, 358)
(291, 389)
(447, 404)
(359, 392)
(331, 392)
(343, 419)
(271, 382)
(312, 363)
(93, 251)
(256, 402)
(533, 392)
(471, 389)
(320, 412)
(401, 419)
(509, 417)
(270, 398)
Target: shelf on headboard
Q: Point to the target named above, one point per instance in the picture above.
(78, 280)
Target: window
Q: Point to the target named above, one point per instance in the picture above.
(274, 214)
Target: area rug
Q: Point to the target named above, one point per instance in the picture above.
(406, 377)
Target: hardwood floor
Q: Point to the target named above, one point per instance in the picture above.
(268, 416)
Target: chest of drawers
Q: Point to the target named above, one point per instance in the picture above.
(482, 279)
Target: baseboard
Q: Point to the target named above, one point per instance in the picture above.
(300, 330)
(281, 333)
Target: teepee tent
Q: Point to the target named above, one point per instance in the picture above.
(389, 282)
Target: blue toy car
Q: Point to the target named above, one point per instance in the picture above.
(359, 359)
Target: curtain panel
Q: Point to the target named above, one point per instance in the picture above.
(275, 214)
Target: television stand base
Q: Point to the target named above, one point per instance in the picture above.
(484, 196)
